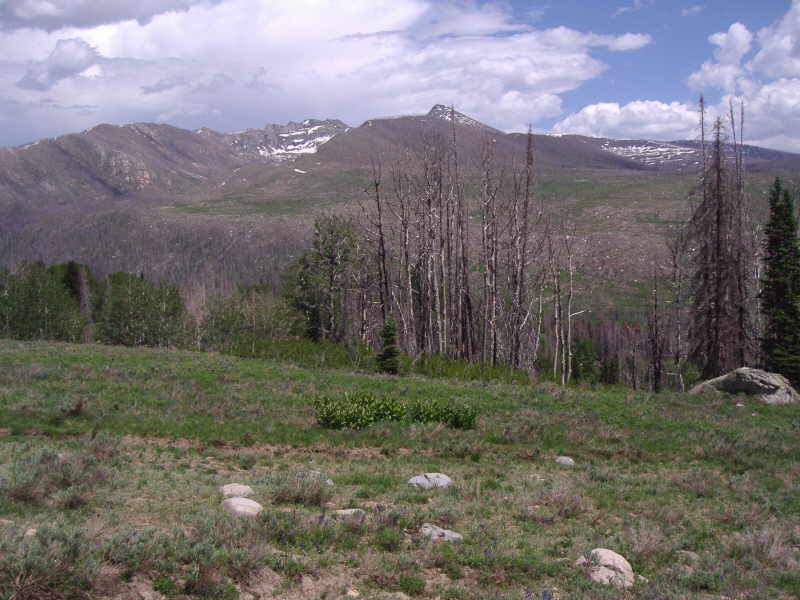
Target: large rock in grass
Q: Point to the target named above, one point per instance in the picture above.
(242, 507)
(431, 480)
(607, 567)
(770, 388)
(437, 534)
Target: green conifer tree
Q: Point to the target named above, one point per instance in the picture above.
(780, 288)
(389, 356)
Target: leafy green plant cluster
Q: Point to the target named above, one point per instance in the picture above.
(455, 414)
(362, 409)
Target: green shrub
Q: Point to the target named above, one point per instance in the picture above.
(362, 409)
(413, 585)
(388, 539)
(454, 414)
(358, 410)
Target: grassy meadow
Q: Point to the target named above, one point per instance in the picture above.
(114, 457)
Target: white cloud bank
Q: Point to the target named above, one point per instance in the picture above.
(768, 85)
(237, 63)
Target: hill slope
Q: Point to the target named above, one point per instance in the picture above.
(698, 494)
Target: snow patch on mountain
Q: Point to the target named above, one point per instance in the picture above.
(277, 143)
(652, 153)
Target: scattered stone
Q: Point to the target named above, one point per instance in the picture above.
(242, 507)
(355, 513)
(431, 480)
(6, 523)
(607, 567)
(353, 593)
(30, 532)
(740, 405)
(437, 534)
(770, 388)
(236, 489)
(566, 461)
(313, 475)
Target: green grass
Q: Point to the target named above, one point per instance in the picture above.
(655, 475)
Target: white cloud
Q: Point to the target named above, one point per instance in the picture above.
(779, 53)
(725, 71)
(695, 9)
(70, 57)
(648, 119)
(289, 59)
(636, 6)
(52, 15)
(768, 86)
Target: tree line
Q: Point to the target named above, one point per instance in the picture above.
(455, 265)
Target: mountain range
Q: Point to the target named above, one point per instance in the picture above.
(169, 202)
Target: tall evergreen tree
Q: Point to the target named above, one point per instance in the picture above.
(389, 357)
(780, 287)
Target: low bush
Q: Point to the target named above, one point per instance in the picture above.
(55, 563)
(307, 488)
(362, 409)
(41, 474)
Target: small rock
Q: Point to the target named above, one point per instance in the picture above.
(353, 593)
(437, 534)
(431, 480)
(740, 404)
(30, 532)
(607, 567)
(242, 507)
(6, 523)
(349, 512)
(566, 461)
(236, 489)
(314, 475)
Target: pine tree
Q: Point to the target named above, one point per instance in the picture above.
(389, 356)
(780, 293)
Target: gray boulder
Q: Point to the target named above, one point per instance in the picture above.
(607, 567)
(242, 507)
(437, 534)
(770, 388)
(430, 480)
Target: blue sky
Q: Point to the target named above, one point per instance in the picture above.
(614, 68)
(679, 42)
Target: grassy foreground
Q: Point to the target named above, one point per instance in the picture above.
(114, 456)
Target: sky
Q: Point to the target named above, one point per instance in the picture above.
(608, 68)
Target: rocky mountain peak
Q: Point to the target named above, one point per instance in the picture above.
(440, 111)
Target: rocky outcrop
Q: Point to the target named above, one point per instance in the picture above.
(607, 567)
(770, 388)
